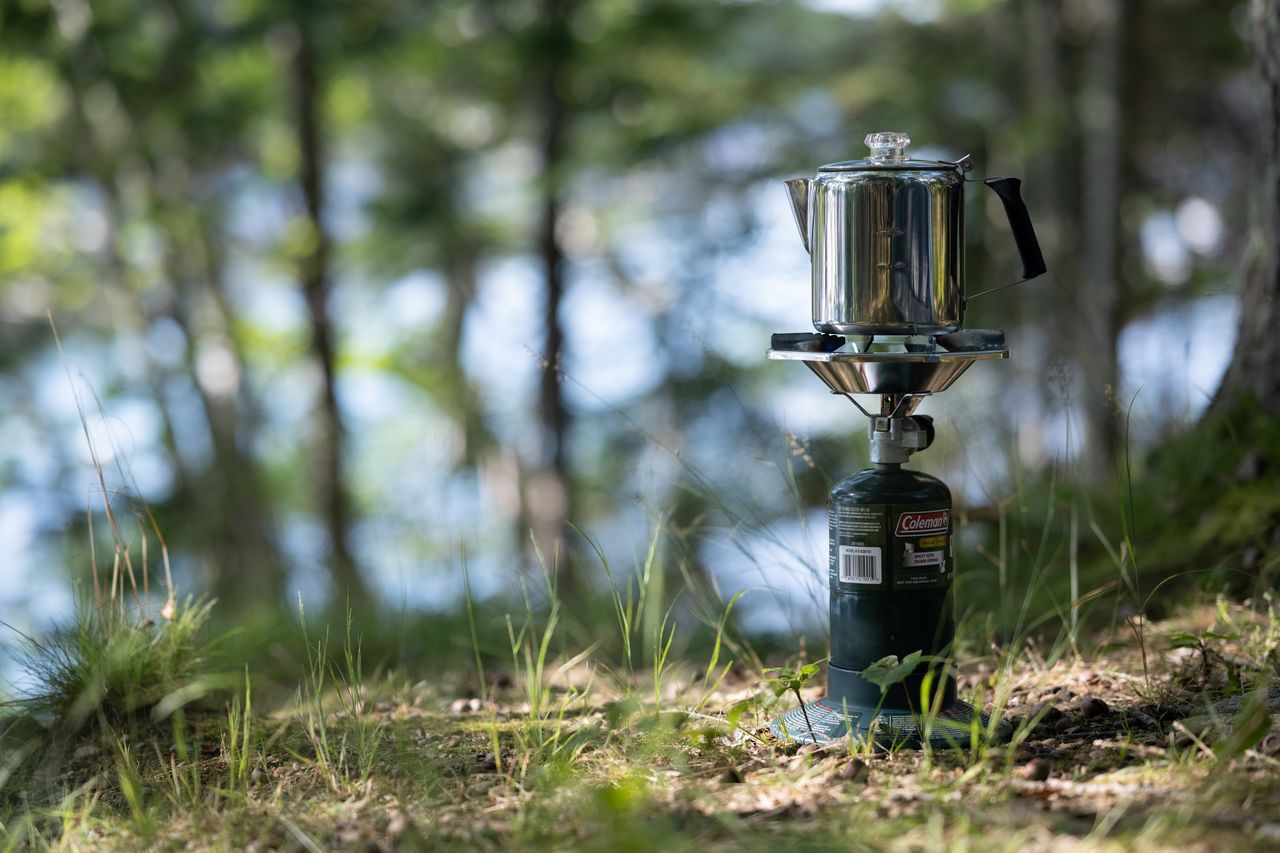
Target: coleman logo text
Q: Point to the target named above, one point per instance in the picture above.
(922, 523)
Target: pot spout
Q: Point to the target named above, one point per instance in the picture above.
(798, 193)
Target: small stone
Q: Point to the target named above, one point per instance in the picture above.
(1091, 706)
(1036, 770)
(1270, 744)
(808, 748)
(1143, 720)
(258, 776)
(397, 825)
(854, 770)
(487, 762)
(1046, 712)
(459, 706)
(85, 750)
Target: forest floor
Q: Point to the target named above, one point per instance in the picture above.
(1180, 752)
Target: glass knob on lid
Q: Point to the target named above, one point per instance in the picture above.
(888, 147)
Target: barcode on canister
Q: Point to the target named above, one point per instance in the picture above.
(859, 564)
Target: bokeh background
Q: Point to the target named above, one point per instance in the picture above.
(356, 294)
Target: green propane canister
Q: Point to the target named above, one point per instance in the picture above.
(890, 570)
(891, 556)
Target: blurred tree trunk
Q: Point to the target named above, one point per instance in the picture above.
(1101, 286)
(1254, 371)
(236, 534)
(1051, 190)
(460, 392)
(155, 375)
(259, 575)
(548, 497)
(244, 564)
(317, 289)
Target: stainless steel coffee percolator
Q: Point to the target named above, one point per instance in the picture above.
(886, 237)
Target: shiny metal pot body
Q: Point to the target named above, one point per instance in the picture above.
(888, 250)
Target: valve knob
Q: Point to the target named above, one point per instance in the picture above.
(924, 423)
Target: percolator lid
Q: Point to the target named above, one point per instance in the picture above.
(888, 153)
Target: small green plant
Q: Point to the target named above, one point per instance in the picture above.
(889, 670)
(529, 648)
(186, 787)
(885, 673)
(344, 741)
(715, 674)
(236, 742)
(495, 745)
(544, 737)
(1203, 643)
(132, 789)
(781, 680)
(638, 612)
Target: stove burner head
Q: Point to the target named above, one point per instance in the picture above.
(909, 366)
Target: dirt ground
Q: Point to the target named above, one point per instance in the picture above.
(1105, 755)
(1102, 755)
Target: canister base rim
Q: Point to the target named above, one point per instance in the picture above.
(952, 728)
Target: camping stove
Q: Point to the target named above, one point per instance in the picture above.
(886, 240)
(890, 563)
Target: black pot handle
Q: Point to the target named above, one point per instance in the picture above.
(1010, 192)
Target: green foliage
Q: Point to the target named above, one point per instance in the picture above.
(237, 744)
(133, 790)
(119, 671)
(335, 706)
(782, 679)
(889, 671)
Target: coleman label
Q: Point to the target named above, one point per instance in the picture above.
(924, 523)
(922, 547)
(882, 547)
